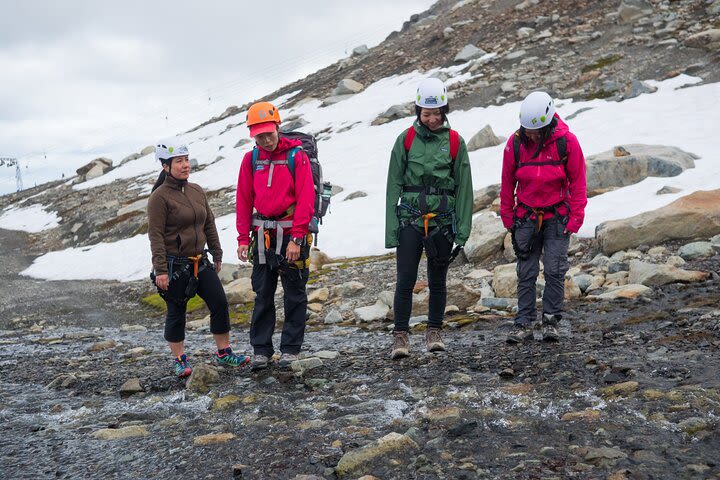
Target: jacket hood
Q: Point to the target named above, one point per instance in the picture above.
(560, 131)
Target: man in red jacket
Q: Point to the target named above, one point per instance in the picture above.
(542, 202)
(276, 181)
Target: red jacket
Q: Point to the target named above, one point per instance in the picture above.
(544, 185)
(274, 201)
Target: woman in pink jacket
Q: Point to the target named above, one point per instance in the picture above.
(542, 201)
(276, 181)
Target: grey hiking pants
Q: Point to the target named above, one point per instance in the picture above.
(553, 243)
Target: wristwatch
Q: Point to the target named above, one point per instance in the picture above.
(299, 241)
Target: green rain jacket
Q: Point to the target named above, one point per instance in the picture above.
(428, 163)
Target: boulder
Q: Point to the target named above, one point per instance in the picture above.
(349, 289)
(372, 313)
(460, 295)
(348, 86)
(131, 387)
(356, 462)
(138, 206)
(96, 171)
(668, 190)
(583, 281)
(631, 10)
(319, 295)
(624, 291)
(469, 52)
(333, 316)
(653, 275)
(239, 291)
(333, 99)
(104, 164)
(293, 124)
(693, 216)
(213, 438)
(715, 242)
(484, 197)
(318, 258)
(637, 88)
(483, 139)
(508, 250)
(395, 112)
(147, 150)
(360, 50)
(708, 39)
(122, 433)
(607, 171)
(694, 250)
(202, 377)
(505, 280)
(486, 237)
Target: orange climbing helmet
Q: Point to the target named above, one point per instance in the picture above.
(262, 117)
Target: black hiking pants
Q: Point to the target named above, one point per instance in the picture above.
(264, 284)
(210, 289)
(409, 252)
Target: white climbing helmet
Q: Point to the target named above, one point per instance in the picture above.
(537, 110)
(171, 148)
(431, 93)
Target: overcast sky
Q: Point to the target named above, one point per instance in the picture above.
(83, 78)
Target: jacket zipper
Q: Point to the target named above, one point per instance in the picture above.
(194, 217)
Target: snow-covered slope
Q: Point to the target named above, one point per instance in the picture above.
(678, 114)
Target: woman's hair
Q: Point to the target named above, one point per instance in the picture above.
(444, 110)
(160, 180)
(545, 133)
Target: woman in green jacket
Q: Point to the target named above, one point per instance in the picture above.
(430, 175)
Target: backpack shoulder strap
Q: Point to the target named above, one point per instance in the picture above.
(561, 144)
(454, 144)
(291, 159)
(409, 137)
(516, 149)
(255, 155)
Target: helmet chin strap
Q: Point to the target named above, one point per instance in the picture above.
(169, 170)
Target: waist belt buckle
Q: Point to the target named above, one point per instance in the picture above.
(270, 225)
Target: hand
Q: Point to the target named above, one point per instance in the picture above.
(218, 266)
(242, 253)
(162, 282)
(292, 252)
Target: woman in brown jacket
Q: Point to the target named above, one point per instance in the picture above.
(180, 222)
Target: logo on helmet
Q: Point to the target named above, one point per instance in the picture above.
(431, 100)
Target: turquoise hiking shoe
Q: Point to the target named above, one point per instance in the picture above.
(228, 358)
(182, 366)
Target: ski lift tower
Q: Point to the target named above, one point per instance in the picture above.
(9, 162)
(18, 175)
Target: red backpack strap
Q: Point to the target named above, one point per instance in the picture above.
(454, 144)
(409, 137)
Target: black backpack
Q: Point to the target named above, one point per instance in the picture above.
(323, 190)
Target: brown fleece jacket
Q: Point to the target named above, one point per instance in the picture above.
(180, 222)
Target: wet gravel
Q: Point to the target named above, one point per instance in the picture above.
(631, 380)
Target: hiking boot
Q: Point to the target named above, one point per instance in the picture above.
(400, 346)
(549, 328)
(520, 333)
(259, 362)
(229, 359)
(433, 341)
(182, 366)
(286, 359)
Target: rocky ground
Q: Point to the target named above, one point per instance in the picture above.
(630, 392)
